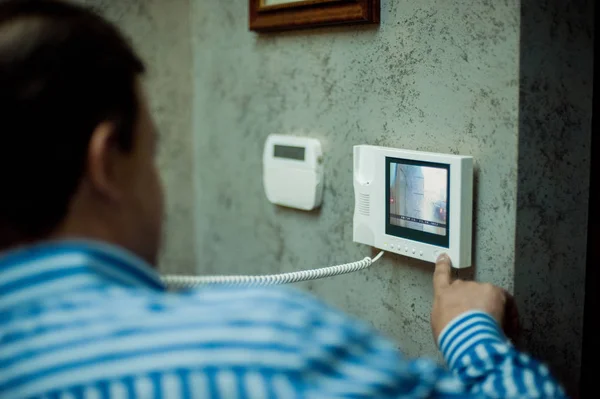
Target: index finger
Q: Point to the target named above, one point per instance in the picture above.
(442, 276)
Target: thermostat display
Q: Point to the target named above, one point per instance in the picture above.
(289, 152)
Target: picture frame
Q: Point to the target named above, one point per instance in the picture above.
(281, 15)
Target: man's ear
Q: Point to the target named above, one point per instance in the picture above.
(103, 159)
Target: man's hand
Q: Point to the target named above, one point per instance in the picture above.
(452, 298)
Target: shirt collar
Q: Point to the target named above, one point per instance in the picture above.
(107, 262)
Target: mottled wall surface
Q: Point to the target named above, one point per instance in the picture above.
(436, 75)
(554, 150)
(160, 31)
(440, 76)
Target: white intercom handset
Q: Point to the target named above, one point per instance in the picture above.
(413, 203)
(292, 177)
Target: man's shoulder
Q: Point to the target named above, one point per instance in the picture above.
(201, 317)
(272, 297)
(261, 303)
(228, 326)
(114, 333)
(239, 312)
(211, 306)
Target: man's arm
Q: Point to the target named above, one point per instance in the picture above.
(361, 364)
(479, 354)
(466, 322)
(466, 319)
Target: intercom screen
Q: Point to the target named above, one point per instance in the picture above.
(417, 196)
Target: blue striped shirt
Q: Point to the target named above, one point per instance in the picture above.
(88, 320)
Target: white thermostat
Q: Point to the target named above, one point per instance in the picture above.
(293, 171)
(413, 203)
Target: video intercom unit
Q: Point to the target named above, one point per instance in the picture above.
(414, 203)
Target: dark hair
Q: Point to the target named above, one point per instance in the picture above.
(63, 71)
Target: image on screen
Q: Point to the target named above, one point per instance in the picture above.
(418, 198)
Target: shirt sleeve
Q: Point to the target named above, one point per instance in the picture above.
(346, 358)
(479, 354)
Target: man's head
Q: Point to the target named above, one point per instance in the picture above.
(77, 141)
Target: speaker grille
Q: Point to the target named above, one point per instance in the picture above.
(364, 204)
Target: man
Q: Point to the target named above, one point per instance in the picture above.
(84, 315)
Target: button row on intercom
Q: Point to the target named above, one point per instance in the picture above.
(398, 248)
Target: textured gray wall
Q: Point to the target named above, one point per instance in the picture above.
(554, 150)
(437, 75)
(160, 31)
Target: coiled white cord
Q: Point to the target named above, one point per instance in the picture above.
(181, 282)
